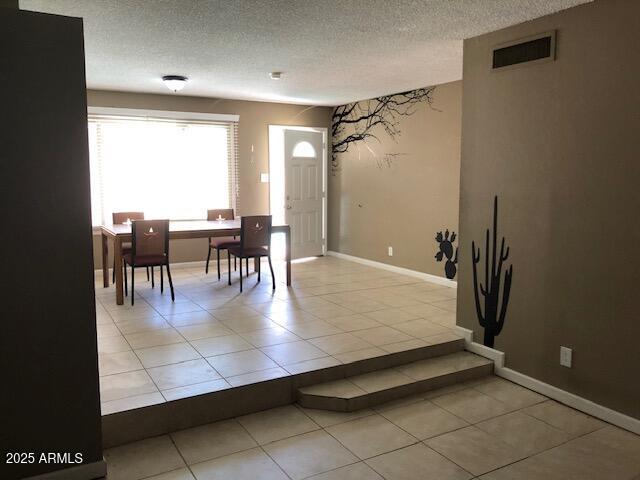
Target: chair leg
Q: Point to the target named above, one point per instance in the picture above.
(206, 267)
(273, 277)
(240, 274)
(161, 280)
(173, 298)
(126, 290)
(153, 278)
(229, 262)
(113, 277)
(218, 254)
(258, 263)
(147, 274)
(246, 261)
(133, 279)
(235, 264)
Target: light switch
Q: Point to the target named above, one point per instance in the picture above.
(264, 178)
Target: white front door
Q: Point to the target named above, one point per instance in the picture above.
(303, 157)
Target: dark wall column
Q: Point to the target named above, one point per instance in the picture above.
(50, 397)
(9, 4)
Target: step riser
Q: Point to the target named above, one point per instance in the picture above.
(377, 363)
(151, 421)
(131, 425)
(394, 393)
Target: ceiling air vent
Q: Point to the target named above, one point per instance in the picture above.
(539, 48)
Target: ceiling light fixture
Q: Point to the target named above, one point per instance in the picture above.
(275, 75)
(175, 82)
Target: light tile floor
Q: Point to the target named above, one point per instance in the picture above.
(448, 434)
(212, 337)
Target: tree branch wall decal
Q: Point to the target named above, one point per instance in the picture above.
(356, 122)
(492, 320)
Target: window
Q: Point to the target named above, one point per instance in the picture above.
(167, 168)
(304, 149)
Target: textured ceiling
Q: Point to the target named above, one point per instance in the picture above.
(331, 51)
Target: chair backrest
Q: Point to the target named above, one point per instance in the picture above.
(255, 231)
(121, 217)
(224, 213)
(149, 237)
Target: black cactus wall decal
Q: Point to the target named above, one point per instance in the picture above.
(446, 249)
(492, 320)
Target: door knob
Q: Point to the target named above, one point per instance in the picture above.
(288, 207)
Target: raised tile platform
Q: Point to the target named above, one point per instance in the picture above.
(215, 353)
(152, 420)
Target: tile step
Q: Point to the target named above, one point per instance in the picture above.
(157, 419)
(373, 388)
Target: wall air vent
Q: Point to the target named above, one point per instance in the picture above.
(539, 48)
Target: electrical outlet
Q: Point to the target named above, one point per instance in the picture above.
(391, 251)
(566, 355)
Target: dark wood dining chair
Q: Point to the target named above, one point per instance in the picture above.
(255, 242)
(149, 248)
(119, 218)
(220, 243)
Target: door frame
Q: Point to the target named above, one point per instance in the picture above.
(276, 157)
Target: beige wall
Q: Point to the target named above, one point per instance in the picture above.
(405, 204)
(558, 143)
(255, 118)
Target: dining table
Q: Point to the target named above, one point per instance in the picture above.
(182, 229)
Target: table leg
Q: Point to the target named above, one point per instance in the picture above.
(117, 252)
(105, 266)
(287, 235)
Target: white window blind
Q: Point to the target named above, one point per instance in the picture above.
(166, 168)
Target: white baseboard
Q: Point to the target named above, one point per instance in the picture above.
(477, 348)
(87, 471)
(179, 265)
(392, 268)
(174, 266)
(579, 403)
(197, 263)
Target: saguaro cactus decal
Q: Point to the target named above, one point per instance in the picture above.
(492, 321)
